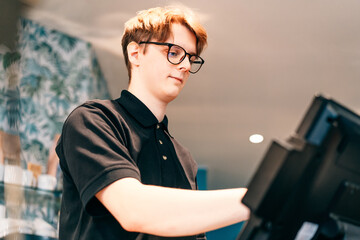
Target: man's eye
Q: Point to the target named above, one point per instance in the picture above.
(173, 54)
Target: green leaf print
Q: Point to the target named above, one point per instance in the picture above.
(10, 58)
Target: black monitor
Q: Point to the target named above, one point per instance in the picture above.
(308, 186)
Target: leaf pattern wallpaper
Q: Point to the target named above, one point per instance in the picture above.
(42, 82)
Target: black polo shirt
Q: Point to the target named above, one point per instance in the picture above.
(103, 141)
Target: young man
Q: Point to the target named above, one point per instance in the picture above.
(125, 176)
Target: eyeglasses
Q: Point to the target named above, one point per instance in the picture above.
(177, 54)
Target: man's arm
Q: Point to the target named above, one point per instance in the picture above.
(171, 212)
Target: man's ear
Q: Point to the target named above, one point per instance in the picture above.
(133, 50)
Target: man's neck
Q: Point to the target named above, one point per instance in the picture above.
(157, 107)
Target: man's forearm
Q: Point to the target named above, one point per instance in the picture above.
(172, 212)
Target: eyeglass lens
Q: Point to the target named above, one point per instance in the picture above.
(177, 54)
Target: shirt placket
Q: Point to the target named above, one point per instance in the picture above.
(167, 164)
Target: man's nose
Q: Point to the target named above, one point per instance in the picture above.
(185, 65)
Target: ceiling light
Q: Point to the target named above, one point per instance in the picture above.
(256, 138)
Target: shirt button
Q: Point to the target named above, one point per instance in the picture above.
(160, 142)
(158, 126)
(164, 157)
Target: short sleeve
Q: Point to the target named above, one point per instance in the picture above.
(92, 151)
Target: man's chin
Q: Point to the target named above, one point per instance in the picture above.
(171, 95)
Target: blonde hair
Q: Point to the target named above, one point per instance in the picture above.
(155, 23)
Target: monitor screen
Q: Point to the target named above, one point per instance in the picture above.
(308, 186)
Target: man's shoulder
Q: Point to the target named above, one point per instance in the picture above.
(95, 109)
(96, 106)
(100, 103)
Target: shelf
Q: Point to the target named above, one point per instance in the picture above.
(31, 190)
(26, 237)
(28, 208)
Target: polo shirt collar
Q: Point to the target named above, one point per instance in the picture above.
(139, 110)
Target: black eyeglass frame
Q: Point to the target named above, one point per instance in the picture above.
(182, 59)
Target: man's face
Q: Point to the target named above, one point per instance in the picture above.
(162, 79)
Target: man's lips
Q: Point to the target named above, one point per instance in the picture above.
(177, 78)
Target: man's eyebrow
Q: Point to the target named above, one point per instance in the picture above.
(189, 52)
